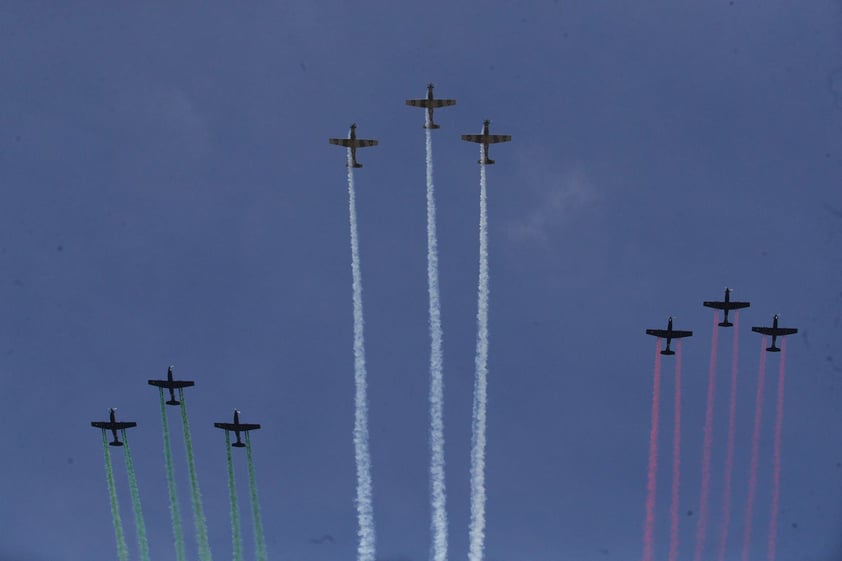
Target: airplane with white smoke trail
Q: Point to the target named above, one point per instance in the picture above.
(430, 103)
(775, 332)
(353, 143)
(171, 385)
(669, 334)
(486, 138)
(113, 425)
(237, 427)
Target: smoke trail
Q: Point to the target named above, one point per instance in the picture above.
(701, 525)
(438, 497)
(195, 494)
(755, 448)
(729, 455)
(676, 457)
(142, 542)
(122, 550)
(259, 541)
(776, 470)
(175, 513)
(652, 470)
(365, 514)
(477, 524)
(235, 510)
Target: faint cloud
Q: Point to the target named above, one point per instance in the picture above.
(562, 192)
(327, 538)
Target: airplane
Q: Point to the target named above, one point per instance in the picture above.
(726, 305)
(430, 103)
(353, 143)
(171, 385)
(775, 332)
(113, 426)
(485, 139)
(237, 427)
(669, 334)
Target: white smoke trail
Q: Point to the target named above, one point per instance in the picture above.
(477, 524)
(365, 515)
(438, 497)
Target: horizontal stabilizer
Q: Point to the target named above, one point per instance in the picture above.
(238, 445)
(725, 324)
(433, 126)
(173, 402)
(668, 352)
(115, 443)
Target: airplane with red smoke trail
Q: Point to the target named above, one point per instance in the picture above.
(669, 334)
(171, 385)
(353, 143)
(775, 332)
(430, 103)
(113, 425)
(726, 305)
(237, 427)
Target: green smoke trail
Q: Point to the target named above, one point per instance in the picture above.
(195, 494)
(122, 550)
(235, 511)
(175, 513)
(142, 542)
(259, 541)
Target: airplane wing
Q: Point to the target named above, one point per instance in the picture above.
(113, 426)
(487, 139)
(716, 305)
(779, 332)
(429, 103)
(739, 305)
(356, 143)
(240, 427)
(175, 384)
(658, 332)
(678, 334)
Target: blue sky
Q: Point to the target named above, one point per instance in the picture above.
(169, 197)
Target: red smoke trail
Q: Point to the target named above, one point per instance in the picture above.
(649, 527)
(755, 448)
(776, 477)
(729, 456)
(702, 524)
(676, 457)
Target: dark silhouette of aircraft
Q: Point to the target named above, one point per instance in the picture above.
(726, 305)
(353, 143)
(113, 426)
(485, 139)
(430, 103)
(171, 385)
(669, 334)
(775, 332)
(237, 427)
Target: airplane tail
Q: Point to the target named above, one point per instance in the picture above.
(725, 324)
(432, 126)
(115, 443)
(173, 402)
(486, 161)
(238, 445)
(356, 165)
(773, 349)
(668, 352)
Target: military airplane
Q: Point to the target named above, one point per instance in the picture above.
(430, 103)
(485, 139)
(775, 332)
(113, 426)
(726, 305)
(171, 385)
(669, 334)
(237, 427)
(353, 143)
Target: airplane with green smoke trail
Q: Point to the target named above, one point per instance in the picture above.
(113, 425)
(237, 427)
(171, 385)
